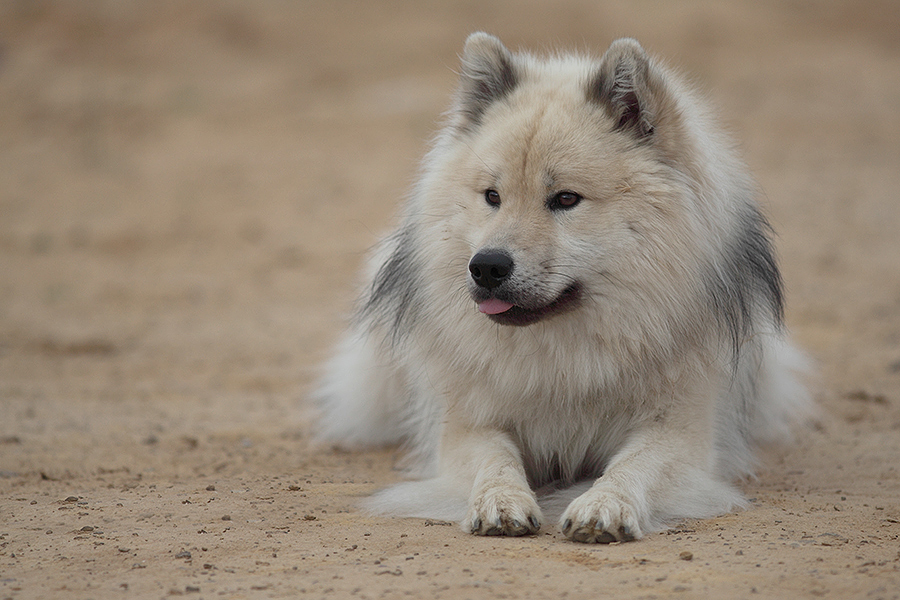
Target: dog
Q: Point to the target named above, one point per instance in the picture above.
(579, 311)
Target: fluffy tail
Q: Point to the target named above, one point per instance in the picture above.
(784, 401)
(359, 398)
(429, 498)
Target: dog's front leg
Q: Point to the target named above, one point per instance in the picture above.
(489, 463)
(663, 472)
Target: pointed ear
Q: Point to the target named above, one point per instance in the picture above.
(488, 74)
(623, 86)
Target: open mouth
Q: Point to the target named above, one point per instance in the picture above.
(506, 313)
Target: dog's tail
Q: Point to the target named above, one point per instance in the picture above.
(359, 398)
(784, 402)
(428, 498)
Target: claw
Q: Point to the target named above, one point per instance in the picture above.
(625, 534)
(516, 528)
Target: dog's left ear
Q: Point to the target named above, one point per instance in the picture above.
(626, 86)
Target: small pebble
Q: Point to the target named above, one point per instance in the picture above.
(183, 554)
(226, 517)
(686, 555)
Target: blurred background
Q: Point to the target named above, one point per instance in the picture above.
(187, 188)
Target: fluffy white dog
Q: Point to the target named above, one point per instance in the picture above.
(582, 289)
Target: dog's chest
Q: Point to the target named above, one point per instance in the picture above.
(571, 442)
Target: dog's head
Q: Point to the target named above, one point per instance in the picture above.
(593, 189)
(564, 179)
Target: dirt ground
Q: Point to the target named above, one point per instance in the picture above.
(186, 192)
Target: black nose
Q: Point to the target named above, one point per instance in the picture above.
(490, 268)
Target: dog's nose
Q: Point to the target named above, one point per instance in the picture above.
(490, 268)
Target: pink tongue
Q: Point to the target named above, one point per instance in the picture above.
(494, 306)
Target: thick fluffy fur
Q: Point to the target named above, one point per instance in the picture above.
(633, 338)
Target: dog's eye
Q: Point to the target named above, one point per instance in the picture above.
(492, 197)
(564, 200)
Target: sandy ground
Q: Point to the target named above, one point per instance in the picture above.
(186, 191)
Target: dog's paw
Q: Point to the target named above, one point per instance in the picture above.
(601, 516)
(503, 511)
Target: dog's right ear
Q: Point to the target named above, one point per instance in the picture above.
(488, 74)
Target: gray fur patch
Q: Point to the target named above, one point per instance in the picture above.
(748, 287)
(391, 299)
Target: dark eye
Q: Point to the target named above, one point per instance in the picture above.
(563, 200)
(492, 197)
